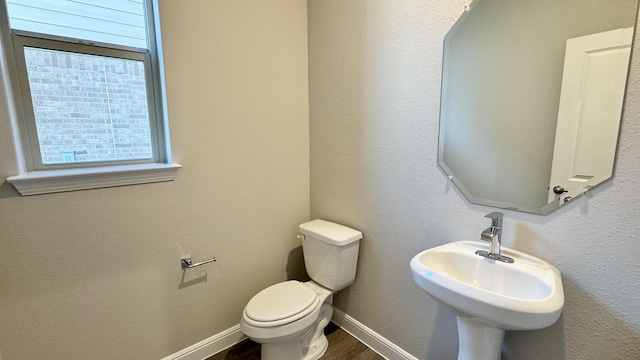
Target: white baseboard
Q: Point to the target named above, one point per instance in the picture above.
(210, 346)
(221, 341)
(373, 340)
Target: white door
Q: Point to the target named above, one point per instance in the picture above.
(593, 85)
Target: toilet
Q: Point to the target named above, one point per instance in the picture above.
(288, 318)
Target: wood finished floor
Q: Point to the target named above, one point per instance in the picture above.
(342, 346)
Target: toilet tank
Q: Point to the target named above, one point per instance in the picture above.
(330, 253)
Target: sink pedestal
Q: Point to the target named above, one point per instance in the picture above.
(478, 341)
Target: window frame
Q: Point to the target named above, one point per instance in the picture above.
(86, 175)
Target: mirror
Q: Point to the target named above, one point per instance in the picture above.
(532, 94)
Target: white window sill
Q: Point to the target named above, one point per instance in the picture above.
(45, 182)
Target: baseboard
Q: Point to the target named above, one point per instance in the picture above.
(210, 346)
(373, 340)
(221, 341)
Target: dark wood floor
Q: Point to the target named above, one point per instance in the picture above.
(342, 346)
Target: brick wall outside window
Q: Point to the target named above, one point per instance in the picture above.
(93, 107)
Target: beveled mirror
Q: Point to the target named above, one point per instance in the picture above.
(532, 94)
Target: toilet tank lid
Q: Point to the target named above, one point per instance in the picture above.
(330, 232)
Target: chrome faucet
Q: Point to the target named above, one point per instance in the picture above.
(493, 234)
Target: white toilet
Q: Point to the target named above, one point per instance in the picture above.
(289, 318)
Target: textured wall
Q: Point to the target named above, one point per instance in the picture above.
(374, 78)
(95, 274)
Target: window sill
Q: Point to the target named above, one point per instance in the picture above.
(46, 182)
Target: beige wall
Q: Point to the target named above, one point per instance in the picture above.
(374, 76)
(95, 274)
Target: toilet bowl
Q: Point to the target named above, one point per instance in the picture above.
(288, 318)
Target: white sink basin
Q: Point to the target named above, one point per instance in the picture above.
(485, 293)
(525, 295)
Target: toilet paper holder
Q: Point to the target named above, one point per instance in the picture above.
(187, 262)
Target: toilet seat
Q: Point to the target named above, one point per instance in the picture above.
(281, 304)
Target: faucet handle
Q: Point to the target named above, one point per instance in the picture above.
(496, 218)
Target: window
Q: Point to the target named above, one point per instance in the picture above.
(87, 87)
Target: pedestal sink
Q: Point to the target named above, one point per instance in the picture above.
(489, 296)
